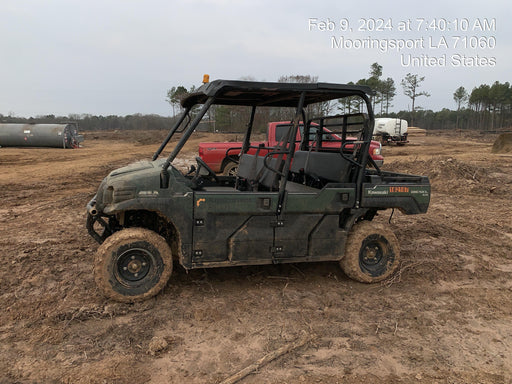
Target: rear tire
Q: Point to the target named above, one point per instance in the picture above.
(372, 253)
(133, 264)
(231, 169)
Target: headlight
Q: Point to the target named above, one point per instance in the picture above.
(122, 194)
(377, 151)
(108, 195)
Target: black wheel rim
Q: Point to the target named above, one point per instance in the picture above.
(133, 265)
(376, 255)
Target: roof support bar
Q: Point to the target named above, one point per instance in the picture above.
(292, 134)
(247, 138)
(188, 133)
(171, 133)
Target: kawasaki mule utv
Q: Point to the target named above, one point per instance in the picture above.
(295, 202)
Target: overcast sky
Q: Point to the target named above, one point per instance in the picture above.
(119, 57)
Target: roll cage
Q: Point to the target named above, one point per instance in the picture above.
(277, 159)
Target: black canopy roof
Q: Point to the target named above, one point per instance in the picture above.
(230, 92)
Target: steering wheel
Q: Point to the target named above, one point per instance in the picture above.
(201, 164)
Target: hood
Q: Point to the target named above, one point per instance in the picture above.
(138, 166)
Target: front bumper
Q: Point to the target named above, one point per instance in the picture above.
(96, 225)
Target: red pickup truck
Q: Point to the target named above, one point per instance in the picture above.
(220, 160)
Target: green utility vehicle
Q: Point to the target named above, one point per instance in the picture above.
(289, 203)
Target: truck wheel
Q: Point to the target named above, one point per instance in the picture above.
(231, 169)
(132, 265)
(372, 253)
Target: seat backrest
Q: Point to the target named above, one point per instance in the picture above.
(267, 177)
(326, 165)
(247, 167)
(300, 159)
(252, 168)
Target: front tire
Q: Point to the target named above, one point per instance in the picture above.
(372, 253)
(133, 264)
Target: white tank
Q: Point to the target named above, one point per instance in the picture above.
(390, 126)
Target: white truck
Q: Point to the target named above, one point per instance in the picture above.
(390, 130)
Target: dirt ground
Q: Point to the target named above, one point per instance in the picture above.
(446, 317)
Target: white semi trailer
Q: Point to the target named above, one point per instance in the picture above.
(390, 130)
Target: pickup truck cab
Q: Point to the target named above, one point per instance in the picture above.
(314, 201)
(222, 157)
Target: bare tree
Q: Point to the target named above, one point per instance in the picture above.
(324, 108)
(410, 84)
(174, 96)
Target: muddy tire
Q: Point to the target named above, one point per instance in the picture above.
(231, 169)
(133, 264)
(372, 253)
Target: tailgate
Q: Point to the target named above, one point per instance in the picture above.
(408, 193)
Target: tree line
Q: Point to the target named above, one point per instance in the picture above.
(486, 107)
(88, 122)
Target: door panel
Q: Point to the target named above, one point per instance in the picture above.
(233, 226)
(309, 224)
(253, 240)
(292, 234)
